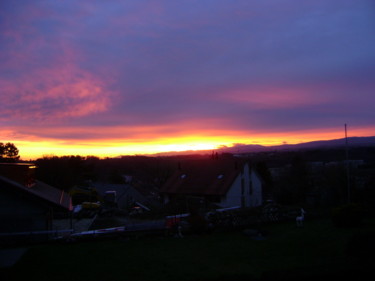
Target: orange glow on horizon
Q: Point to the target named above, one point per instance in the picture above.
(33, 149)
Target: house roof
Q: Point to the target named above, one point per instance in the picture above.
(43, 191)
(20, 177)
(203, 177)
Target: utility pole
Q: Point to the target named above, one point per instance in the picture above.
(347, 163)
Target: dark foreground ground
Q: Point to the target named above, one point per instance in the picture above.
(285, 252)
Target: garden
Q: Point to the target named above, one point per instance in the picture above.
(285, 252)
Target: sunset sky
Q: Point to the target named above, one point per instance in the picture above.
(122, 77)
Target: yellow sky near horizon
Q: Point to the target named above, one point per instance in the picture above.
(37, 148)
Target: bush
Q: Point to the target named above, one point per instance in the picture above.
(349, 215)
(197, 223)
(361, 245)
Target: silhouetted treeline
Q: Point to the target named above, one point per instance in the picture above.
(284, 157)
(320, 176)
(67, 171)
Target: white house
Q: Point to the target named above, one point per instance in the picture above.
(223, 182)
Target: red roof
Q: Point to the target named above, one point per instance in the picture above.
(203, 177)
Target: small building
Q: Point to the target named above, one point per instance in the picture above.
(26, 204)
(125, 196)
(220, 182)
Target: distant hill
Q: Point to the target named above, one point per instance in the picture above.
(352, 141)
(251, 148)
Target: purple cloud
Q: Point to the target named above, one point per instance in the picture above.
(213, 65)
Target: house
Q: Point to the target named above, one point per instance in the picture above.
(26, 204)
(227, 182)
(125, 196)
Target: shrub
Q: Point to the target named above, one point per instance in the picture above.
(349, 215)
(197, 223)
(361, 245)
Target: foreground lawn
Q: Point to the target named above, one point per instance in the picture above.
(318, 248)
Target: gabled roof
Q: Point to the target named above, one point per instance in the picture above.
(42, 191)
(203, 177)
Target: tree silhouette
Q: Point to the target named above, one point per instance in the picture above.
(8, 152)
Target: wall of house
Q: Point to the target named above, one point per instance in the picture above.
(19, 213)
(255, 190)
(233, 196)
(238, 192)
(246, 191)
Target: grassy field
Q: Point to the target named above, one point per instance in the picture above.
(315, 250)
